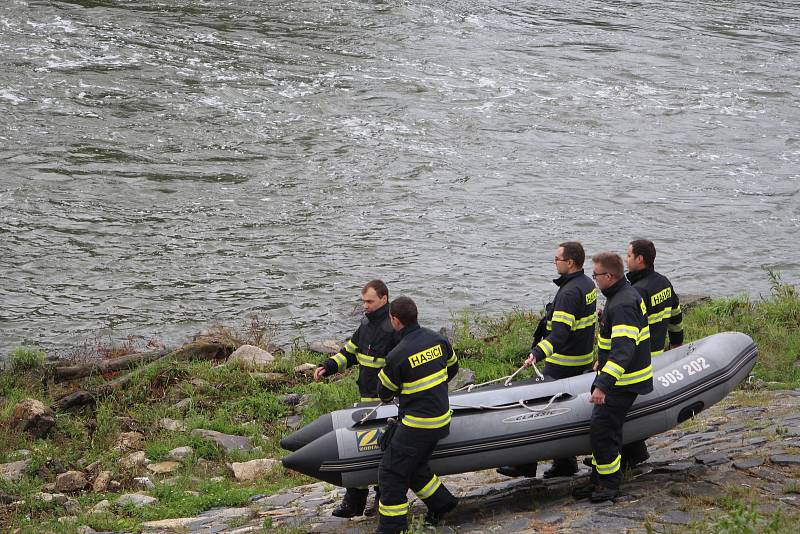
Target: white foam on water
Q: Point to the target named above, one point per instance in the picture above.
(9, 96)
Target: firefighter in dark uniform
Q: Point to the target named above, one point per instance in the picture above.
(663, 314)
(567, 347)
(367, 348)
(624, 372)
(417, 371)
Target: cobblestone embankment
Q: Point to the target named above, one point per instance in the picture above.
(748, 445)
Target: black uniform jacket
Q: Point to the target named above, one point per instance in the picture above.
(663, 308)
(571, 320)
(417, 371)
(368, 347)
(623, 345)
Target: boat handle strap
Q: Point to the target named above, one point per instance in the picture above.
(505, 379)
(520, 402)
(543, 408)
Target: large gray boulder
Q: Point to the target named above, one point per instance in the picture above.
(228, 442)
(134, 460)
(305, 368)
(180, 453)
(130, 441)
(13, 471)
(162, 468)
(136, 499)
(102, 481)
(71, 481)
(252, 470)
(692, 299)
(252, 356)
(172, 425)
(34, 417)
(324, 346)
(463, 378)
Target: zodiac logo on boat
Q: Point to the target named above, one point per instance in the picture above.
(530, 416)
(368, 440)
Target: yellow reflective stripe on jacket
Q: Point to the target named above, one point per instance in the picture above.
(452, 359)
(370, 399)
(546, 347)
(388, 384)
(429, 488)
(604, 343)
(392, 510)
(341, 360)
(613, 369)
(350, 346)
(636, 376)
(424, 383)
(656, 352)
(428, 422)
(571, 361)
(677, 310)
(675, 327)
(657, 317)
(625, 330)
(369, 361)
(607, 469)
(569, 320)
(585, 322)
(563, 317)
(644, 334)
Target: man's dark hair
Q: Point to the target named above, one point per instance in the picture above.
(379, 287)
(611, 263)
(404, 309)
(573, 250)
(646, 249)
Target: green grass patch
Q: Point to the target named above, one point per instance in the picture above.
(495, 346)
(743, 518)
(235, 400)
(773, 322)
(25, 357)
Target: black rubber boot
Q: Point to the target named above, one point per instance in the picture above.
(392, 525)
(372, 508)
(355, 499)
(562, 467)
(527, 470)
(435, 517)
(633, 454)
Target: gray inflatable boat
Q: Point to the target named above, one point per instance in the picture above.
(524, 422)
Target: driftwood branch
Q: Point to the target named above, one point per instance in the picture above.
(199, 350)
(71, 372)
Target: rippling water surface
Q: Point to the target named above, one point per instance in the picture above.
(168, 164)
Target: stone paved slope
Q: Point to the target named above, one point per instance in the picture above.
(746, 447)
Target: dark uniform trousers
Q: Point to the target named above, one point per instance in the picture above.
(566, 342)
(559, 372)
(605, 435)
(624, 372)
(367, 348)
(405, 465)
(666, 319)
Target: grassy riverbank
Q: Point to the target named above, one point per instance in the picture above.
(235, 400)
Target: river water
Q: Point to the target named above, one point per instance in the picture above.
(169, 164)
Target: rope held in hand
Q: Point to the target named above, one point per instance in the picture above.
(505, 379)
